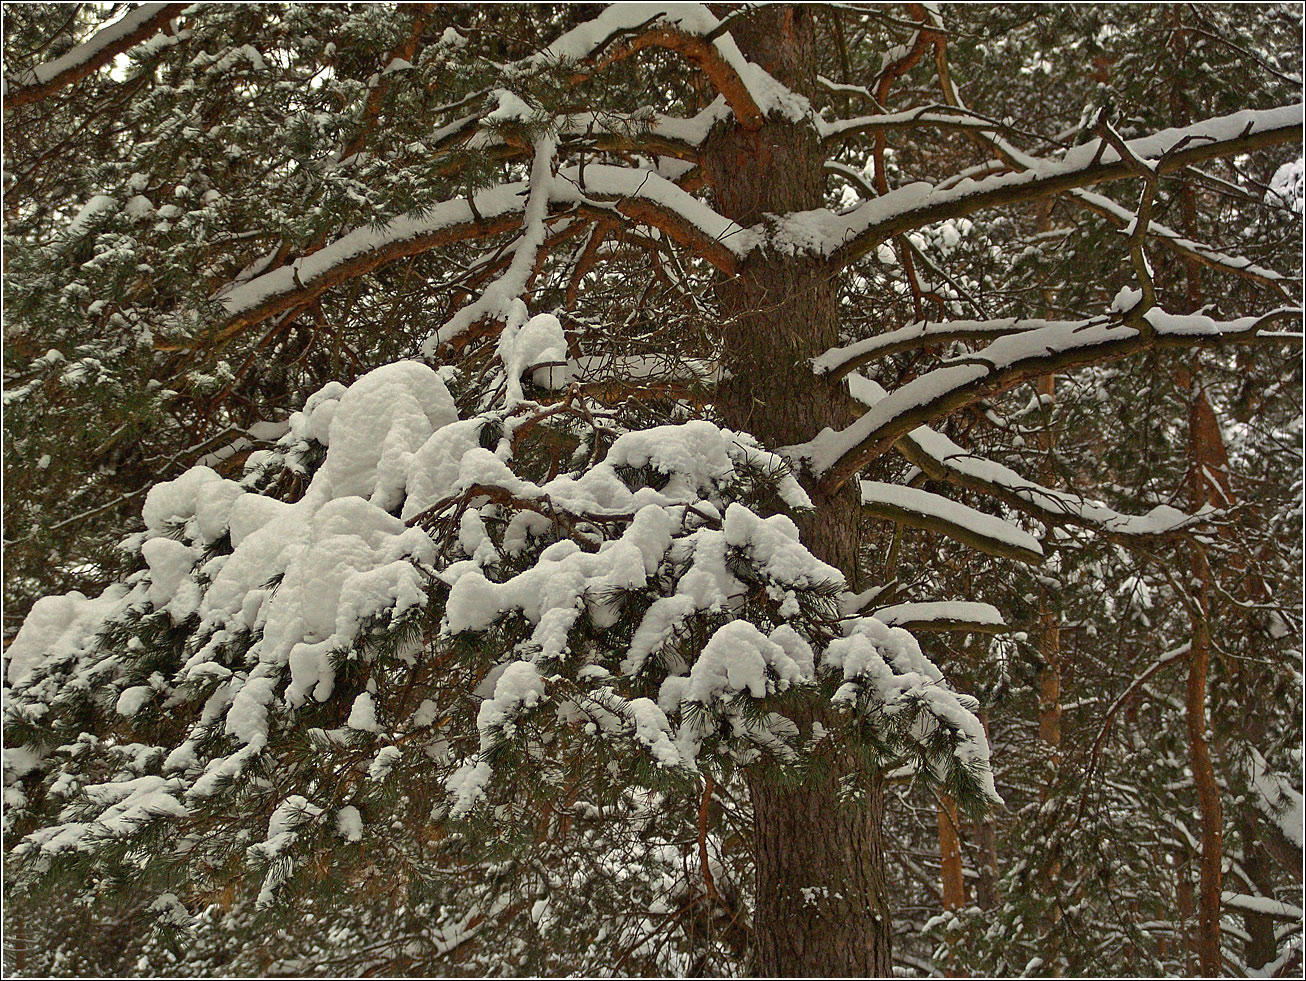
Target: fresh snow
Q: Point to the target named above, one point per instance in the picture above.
(305, 580)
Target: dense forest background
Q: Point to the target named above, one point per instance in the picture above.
(1121, 587)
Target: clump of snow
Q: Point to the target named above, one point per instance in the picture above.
(349, 823)
(738, 658)
(362, 716)
(56, 629)
(278, 593)
(1288, 186)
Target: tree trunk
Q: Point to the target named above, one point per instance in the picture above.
(986, 837)
(1208, 793)
(1208, 462)
(821, 905)
(952, 872)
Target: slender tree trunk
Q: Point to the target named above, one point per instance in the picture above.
(986, 837)
(952, 873)
(1208, 462)
(1208, 793)
(821, 904)
(1208, 483)
(1049, 673)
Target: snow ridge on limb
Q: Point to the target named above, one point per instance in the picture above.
(921, 509)
(838, 362)
(640, 195)
(1123, 218)
(962, 380)
(942, 459)
(495, 301)
(847, 237)
(43, 80)
(943, 615)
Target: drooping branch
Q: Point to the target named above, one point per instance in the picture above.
(35, 84)
(1165, 660)
(919, 117)
(724, 76)
(690, 30)
(941, 459)
(499, 295)
(1121, 218)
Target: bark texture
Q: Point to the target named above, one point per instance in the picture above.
(821, 904)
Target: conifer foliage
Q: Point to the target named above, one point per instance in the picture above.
(550, 489)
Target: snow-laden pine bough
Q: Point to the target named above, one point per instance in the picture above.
(645, 601)
(400, 595)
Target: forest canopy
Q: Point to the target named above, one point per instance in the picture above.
(653, 490)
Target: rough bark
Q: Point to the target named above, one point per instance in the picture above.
(821, 904)
(953, 880)
(1208, 462)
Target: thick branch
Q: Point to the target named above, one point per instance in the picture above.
(1009, 361)
(840, 361)
(639, 195)
(931, 512)
(847, 237)
(44, 80)
(703, 54)
(933, 617)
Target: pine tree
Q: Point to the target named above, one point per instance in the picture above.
(530, 415)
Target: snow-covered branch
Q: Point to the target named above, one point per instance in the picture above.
(690, 30)
(938, 116)
(1123, 218)
(43, 80)
(942, 459)
(931, 512)
(849, 236)
(945, 615)
(639, 195)
(499, 297)
(839, 361)
(963, 380)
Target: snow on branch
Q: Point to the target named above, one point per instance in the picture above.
(940, 116)
(639, 195)
(498, 298)
(847, 237)
(1123, 218)
(1126, 220)
(35, 84)
(690, 30)
(931, 512)
(839, 361)
(978, 617)
(1059, 347)
(942, 459)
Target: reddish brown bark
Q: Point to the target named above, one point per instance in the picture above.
(21, 95)
(1208, 484)
(954, 883)
(821, 904)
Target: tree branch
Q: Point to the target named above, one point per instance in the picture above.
(848, 237)
(44, 80)
(1006, 362)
